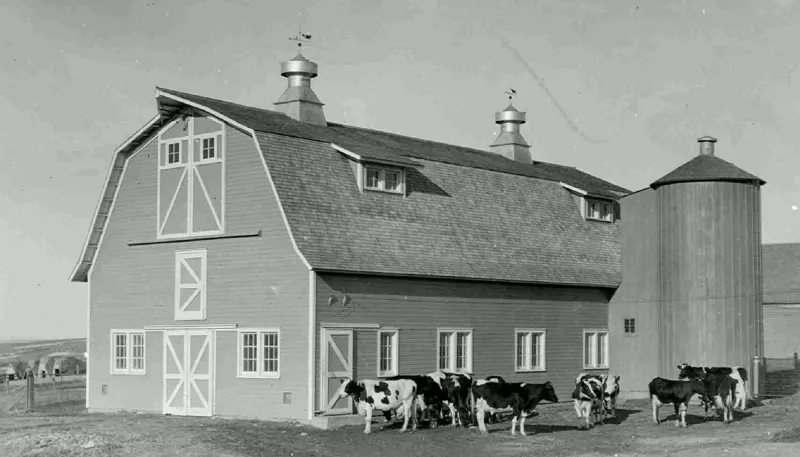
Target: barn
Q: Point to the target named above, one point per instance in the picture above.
(692, 273)
(242, 261)
(781, 300)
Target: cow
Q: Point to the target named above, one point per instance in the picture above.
(519, 397)
(720, 389)
(456, 388)
(382, 395)
(587, 398)
(738, 374)
(430, 395)
(610, 394)
(678, 392)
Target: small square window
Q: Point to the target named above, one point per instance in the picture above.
(209, 148)
(373, 178)
(630, 325)
(173, 153)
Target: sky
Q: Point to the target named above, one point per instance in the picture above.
(616, 88)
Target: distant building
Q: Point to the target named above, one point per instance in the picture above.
(781, 299)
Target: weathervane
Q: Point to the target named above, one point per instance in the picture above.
(301, 38)
(511, 93)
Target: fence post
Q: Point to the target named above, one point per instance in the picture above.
(796, 364)
(30, 384)
(756, 377)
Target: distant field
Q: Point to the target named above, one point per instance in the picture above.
(36, 349)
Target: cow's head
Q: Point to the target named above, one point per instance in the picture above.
(689, 372)
(350, 388)
(549, 393)
(610, 391)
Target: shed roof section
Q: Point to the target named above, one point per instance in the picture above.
(707, 167)
(468, 214)
(781, 273)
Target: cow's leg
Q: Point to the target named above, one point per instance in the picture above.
(614, 406)
(481, 417)
(408, 410)
(654, 409)
(682, 413)
(514, 425)
(522, 418)
(368, 418)
(586, 413)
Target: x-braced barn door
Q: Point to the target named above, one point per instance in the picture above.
(188, 380)
(337, 364)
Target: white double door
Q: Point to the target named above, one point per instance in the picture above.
(188, 372)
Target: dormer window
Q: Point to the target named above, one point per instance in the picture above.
(383, 179)
(599, 210)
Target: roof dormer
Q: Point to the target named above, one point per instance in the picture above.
(593, 207)
(379, 171)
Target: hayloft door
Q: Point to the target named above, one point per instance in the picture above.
(337, 364)
(188, 380)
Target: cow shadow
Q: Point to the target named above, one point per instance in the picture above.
(621, 415)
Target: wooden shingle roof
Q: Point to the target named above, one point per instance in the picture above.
(468, 213)
(781, 273)
(706, 168)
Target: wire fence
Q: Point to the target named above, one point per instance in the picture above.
(29, 393)
(781, 376)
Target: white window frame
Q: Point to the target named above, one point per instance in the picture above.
(180, 257)
(382, 179)
(128, 333)
(528, 367)
(604, 204)
(593, 335)
(452, 351)
(167, 144)
(394, 370)
(259, 373)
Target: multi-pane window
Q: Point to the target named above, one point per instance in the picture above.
(595, 349)
(600, 210)
(630, 325)
(259, 353)
(384, 179)
(173, 152)
(127, 352)
(455, 350)
(387, 353)
(209, 150)
(530, 350)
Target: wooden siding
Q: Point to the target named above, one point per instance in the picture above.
(709, 274)
(252, 282)
(636, 355)
(418, 307)
(781, 330)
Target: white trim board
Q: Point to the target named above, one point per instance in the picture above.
(187, 326)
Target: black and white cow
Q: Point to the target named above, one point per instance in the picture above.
(382, 395)
(430, 395)
(520, 398)
(609, 387)
(678, 392)
(738, 374)
(720, 390)
(456, 387)
(587, 398)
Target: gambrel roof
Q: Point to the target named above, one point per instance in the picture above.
(468, 213)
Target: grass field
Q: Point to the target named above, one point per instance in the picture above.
(60, 427)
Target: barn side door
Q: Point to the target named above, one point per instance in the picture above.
(337, 364)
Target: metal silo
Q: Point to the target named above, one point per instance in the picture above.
(709, 264)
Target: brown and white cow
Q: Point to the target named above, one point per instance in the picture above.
(518, 397)
(382, 395)
(738, 374)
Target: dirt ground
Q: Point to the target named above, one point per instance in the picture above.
(59, 427)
